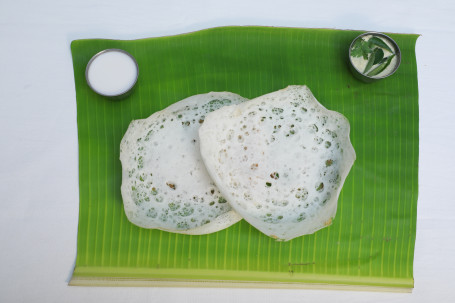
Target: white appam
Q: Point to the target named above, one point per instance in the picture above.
(280, 160)
(164, 181)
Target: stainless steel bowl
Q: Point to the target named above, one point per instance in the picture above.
(123, 94)
(368, 79)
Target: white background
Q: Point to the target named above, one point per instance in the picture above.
(38, 136)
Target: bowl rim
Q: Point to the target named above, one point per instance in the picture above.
(106, 51)
(395, 45)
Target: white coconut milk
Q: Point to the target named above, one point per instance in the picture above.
(359, 62)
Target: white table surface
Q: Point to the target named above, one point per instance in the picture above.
(39, 157)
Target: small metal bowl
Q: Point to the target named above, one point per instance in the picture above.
(368, 79)
(125, 93)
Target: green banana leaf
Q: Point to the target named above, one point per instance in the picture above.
(371, 240)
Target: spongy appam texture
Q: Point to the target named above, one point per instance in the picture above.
(280, 160)
(164, 181)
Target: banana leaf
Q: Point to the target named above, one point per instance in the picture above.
(370, 243)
